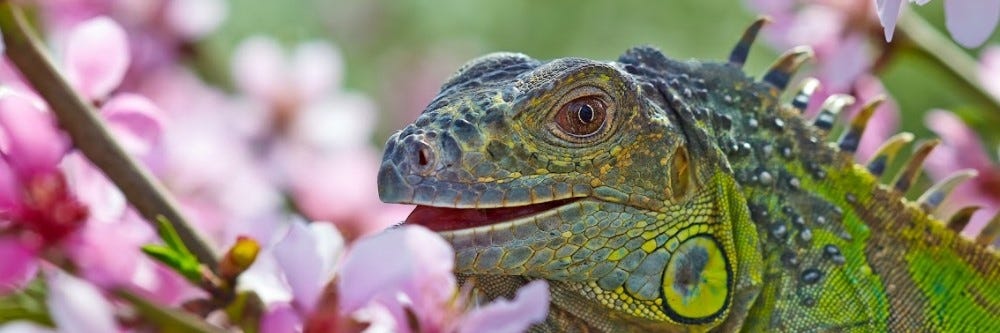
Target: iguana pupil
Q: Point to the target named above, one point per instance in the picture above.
(582, 117)
(585, 114)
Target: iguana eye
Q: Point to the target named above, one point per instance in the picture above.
(582, 117)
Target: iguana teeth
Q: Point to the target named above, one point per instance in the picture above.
(850, 140)
(887, 153)
(830, 109)
(786, 66)
(990, 231)
(912, 168)
(742, 49)
(801, 99)
(961, 218)
(935, 195)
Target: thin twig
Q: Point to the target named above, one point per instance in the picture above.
(170, 320)
(89, 133)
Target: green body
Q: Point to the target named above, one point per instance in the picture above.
(700, 204)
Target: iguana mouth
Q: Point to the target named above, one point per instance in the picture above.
(449, 219)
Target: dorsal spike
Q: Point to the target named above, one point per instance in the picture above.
(961, 218)
(742, 49)
(990, 231)
(851, 138)
(801, 99)
(887, 152)
(782, 70)
(912, 168)
(935, 195)
(831, 108)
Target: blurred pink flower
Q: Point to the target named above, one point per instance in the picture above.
(341, 188)
(158, 30)
(989, 70)
(34, 194)
(961, 149)
(53, 196)
(970, 22)
(313, 136)
(96, 57)
(417, 282)
(836, 30)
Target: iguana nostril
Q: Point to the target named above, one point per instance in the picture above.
(421, 157)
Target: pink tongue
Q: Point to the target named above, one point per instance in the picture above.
(447, 219)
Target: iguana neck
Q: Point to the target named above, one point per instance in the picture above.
(832, 236)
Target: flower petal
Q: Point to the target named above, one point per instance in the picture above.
(34, 144)
(888, 13)
(307, 255)
(317, 68)
(136, 122)
(961, 148)
(971, 22)
(97, 57)
(194, 19)
(342, 121)
(281, 318)
(337, 188)
(258, 68)
(418, 275)
(529, 306)
(20, 263)
(77, 306)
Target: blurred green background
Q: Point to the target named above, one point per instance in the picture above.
(398, 52)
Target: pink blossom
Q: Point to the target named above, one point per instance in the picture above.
(970, 22)
(263, 70)
(36, 198)
(417, 278)
(290, 274)
(315, 137)
(961, 149)
(157, 30)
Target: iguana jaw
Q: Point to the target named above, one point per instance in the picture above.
(443, 219)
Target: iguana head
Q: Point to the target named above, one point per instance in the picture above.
(510, 138)
(573, 170)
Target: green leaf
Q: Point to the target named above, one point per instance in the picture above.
(173, 253)
(187, 266)
(26, 304)
(170, 237)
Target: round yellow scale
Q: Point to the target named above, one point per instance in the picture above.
(696, 280)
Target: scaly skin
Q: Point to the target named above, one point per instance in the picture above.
(696, 203)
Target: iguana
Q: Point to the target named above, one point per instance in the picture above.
(661, 195)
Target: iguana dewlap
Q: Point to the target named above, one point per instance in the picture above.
(660, 195)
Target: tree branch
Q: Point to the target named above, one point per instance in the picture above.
(89, 134)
